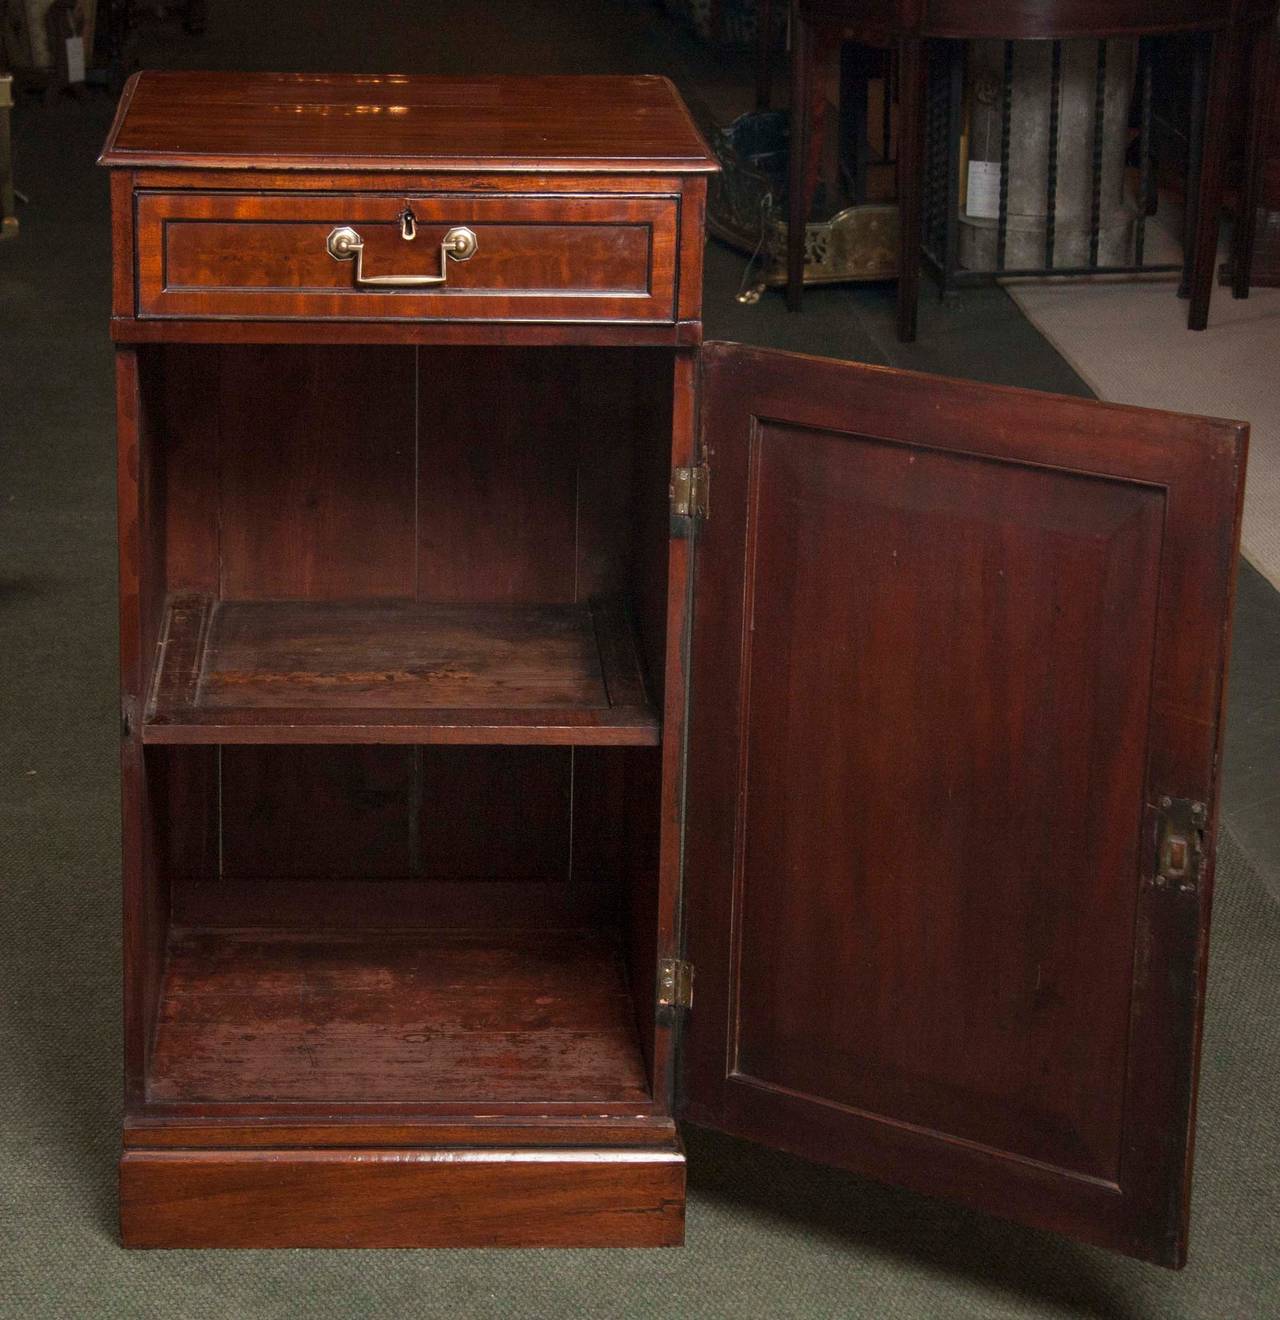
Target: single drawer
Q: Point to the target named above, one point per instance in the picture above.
(354, 257)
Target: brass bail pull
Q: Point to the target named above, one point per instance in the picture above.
(345, 244)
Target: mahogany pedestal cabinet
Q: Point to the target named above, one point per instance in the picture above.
(539, 727)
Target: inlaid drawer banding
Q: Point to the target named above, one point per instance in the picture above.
(571, 257)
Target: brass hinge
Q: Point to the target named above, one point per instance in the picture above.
(675, 983)
(1180, 844)
(690, 492)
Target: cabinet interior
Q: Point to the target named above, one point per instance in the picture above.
(407, 612)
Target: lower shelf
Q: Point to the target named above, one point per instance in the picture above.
(252, 1016)
(398, 671)
(402, 1198)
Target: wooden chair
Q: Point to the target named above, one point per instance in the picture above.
(1235, 27)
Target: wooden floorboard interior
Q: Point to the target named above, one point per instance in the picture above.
(300, 1016)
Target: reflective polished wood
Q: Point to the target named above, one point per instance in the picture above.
(926, 919)
(434, 760)
(555, 258)
(398, 677)
(402, 122)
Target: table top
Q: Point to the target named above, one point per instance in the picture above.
(1032, 19)
(334, 121)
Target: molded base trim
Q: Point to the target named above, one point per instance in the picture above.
(362, 1197)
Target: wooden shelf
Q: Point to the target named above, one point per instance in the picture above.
(397, 672)
(395, 1017)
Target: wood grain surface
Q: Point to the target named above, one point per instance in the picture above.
(403, 1198)
(429, 529)
(459, 1018)
(383, 121)
(551, 258)
(953, 645)
(289, 671)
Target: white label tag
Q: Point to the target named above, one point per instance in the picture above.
(75, 59)
(983, 201)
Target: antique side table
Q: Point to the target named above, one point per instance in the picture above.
(1237, 36)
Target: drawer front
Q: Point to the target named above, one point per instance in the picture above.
(544, 258)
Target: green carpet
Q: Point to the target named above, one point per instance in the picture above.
(768, 1235)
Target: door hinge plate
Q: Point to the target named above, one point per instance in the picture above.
(690, 492)
(1180, 844)
(675, 983)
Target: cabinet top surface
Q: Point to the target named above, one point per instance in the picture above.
(400, 122)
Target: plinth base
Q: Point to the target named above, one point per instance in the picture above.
(367, 1197)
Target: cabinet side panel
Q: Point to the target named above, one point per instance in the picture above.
(145, 896)
(145, 911)
(142, 501)
(693, 219)
(122, 263)
(187, 784)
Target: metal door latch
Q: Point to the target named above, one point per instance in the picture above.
(1180, 844)
(675, 983)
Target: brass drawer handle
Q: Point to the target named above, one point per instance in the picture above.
(344, 244)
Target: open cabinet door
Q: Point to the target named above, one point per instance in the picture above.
(957, 687)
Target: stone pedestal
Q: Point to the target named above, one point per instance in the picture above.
(1029, 152)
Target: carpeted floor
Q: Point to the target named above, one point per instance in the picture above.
(1129, 341)
(768, 1235)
